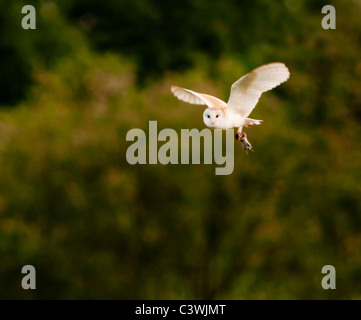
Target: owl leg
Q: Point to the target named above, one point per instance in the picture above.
(239, 134)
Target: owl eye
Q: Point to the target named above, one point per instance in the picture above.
(217, 116)
(208, 116)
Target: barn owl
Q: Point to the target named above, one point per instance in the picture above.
(244, 96)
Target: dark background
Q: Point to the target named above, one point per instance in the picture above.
(96, 227)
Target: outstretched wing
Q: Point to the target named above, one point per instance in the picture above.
(193, 97)
(246, 91)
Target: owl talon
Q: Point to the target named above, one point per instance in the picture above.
(239, 136)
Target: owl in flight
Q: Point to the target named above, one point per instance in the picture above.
(245, 94)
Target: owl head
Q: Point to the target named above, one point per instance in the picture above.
(212, 117)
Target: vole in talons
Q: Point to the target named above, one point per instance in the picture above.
(241, 136)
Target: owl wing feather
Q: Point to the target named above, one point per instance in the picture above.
(193, 97)
(246, 91)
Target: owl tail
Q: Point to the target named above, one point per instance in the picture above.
(251, 122)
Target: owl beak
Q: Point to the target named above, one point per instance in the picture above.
(213, 122)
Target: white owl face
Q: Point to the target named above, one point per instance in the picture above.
(212, 117)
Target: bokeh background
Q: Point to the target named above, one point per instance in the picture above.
(95, 227)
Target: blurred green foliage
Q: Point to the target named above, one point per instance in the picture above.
(96, 227)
